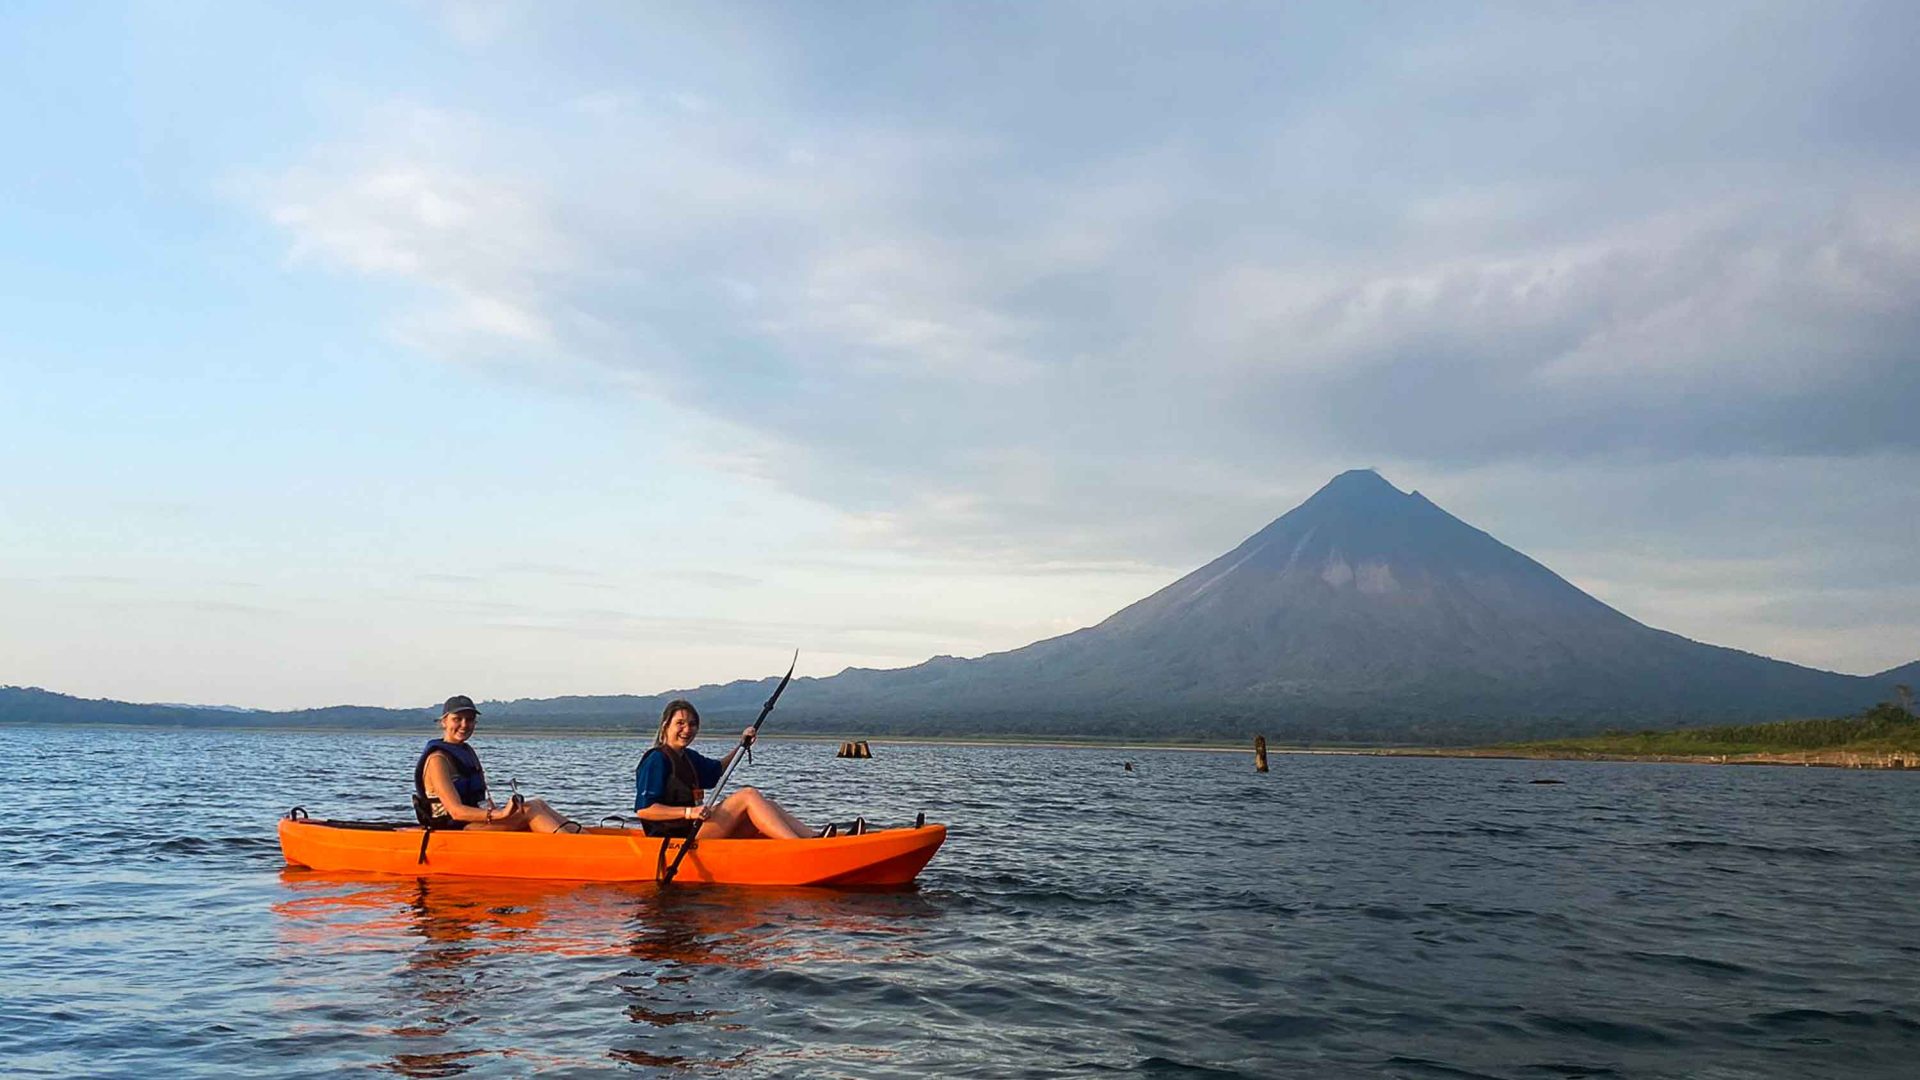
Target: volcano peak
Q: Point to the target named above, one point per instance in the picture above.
(1358, 485)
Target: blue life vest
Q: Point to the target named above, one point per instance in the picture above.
(469, 780)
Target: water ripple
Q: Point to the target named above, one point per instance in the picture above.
(1339, 917)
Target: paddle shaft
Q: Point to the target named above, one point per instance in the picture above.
(713, 796)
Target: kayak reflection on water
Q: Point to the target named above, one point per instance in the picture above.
(474, 953)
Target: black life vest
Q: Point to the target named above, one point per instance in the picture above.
(681, 789)
(469, 780)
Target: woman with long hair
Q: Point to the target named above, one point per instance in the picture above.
(671, 781)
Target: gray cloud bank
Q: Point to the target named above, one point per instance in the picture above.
(1081, 280)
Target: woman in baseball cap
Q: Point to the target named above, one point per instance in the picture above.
(450, 787)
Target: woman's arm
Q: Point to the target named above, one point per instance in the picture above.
(663, 812)
(746, 739)
(649, 782)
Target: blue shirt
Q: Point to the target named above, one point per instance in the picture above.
(650, 776)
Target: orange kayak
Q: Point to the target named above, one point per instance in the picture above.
(882, 857)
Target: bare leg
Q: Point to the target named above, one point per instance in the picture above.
(543, 818)
(794, 825)
(747, 807)
(539, 818)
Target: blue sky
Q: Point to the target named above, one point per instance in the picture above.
(369, 352)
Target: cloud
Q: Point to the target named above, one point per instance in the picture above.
(714, 579)
(1125, 308)
(1770, 327)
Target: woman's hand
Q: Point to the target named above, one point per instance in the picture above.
(694, 813)
(514, 814)
(747, 737)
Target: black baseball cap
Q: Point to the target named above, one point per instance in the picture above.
(459, 703)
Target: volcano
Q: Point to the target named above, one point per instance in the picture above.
(1365, 612)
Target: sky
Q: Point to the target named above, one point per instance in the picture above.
(371, 353)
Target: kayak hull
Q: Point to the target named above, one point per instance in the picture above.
(881, 857)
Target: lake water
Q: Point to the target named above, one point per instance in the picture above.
(1339, 916)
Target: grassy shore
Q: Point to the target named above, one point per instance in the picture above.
(1885, 736)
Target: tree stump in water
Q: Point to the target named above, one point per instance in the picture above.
(1260, 753)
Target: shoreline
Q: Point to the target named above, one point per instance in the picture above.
(1890, 760)
(1894, 761)
(1052, 742)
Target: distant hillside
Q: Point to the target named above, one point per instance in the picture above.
(32, 705)
(1883, 728)
(1907, 675)
(1363, 615)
